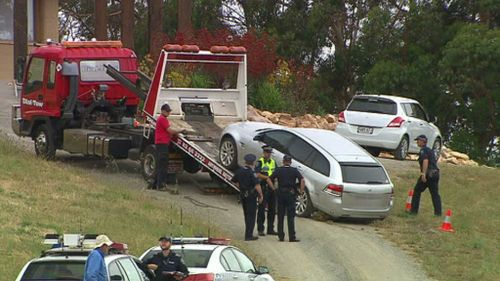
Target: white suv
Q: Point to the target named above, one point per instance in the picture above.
(391, 123)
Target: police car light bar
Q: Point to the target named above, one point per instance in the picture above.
(71, 240)
(51, 239)
(89, 240)
(200, 240)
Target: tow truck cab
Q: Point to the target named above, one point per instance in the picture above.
(62, 81)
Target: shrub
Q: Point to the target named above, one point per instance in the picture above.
(266, 96)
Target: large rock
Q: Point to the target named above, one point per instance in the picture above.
(330, 118)
(254, 114)
(459, 155)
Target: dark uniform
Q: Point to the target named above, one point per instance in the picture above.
(266, 167)
(287, 192)
(432, 177)
(246, 179)
(167, 265)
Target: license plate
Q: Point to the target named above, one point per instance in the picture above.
(365, 130)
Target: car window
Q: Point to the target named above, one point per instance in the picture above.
(114, 270)
(54, 270)
(419, 111)
(363, 173)
(35, 75)
(245, 263)
(278, 140)
(374, 105)
(319, 163)
(300, 149)
(229, 261)
(408, 109)
(191, 257)
(130, 269)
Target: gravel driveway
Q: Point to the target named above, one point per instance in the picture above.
(328, 251)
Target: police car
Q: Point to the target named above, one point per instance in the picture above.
(213, 259)
(66, 261)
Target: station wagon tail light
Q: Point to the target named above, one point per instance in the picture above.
(201, 277)
(341, 117)
(396, 122)
(334, 189)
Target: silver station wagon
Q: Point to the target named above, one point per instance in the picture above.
(342, 179)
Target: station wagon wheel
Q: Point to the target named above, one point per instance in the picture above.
(44, 143)
(303, 205)
(228, 153)
(436, 148)
(402, 149)
(148, 165)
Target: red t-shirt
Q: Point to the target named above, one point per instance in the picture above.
(162, 136)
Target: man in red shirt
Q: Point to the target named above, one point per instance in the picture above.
(163, 136)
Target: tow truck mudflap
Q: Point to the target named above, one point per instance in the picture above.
(16, 119)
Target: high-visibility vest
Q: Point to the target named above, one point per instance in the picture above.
(271, 165)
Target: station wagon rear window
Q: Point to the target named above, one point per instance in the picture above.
(94, 70)
(373, 105)
(55, 270)
(363, 173)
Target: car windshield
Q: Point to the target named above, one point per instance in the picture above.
(363, 173)
(191, 257)
(54, 270)
(374, 105)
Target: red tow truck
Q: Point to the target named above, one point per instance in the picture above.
(83, 97)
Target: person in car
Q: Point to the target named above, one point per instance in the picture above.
(429, 177)
(163, 136)
(167, 265)
(287, 178)
(264, 169)
(250, 192)
(95, 268)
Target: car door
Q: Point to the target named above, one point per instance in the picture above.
(279, 140)
(426, 127)
(415, 126)
(33, 90)
(116, 272)
(231, 266)
(131, 270)
(247, 267)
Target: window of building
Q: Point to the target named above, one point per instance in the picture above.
(7, 20)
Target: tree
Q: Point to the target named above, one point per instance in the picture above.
(184, 15)
(101, 20)
(127, 23)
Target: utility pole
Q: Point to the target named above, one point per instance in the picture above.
(20, 34)
(155, 23)
(128, 23)
(101, 20)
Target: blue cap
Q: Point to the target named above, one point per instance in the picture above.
(421, 137)
(165, 238)
(250, 158)
(287, 158)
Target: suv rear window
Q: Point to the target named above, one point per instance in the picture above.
(374, 105)
(363, 173)
(55, 270)
(191, 257)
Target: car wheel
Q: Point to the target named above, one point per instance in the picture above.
(436, 148)
(374, 151)
(44, 143)
(148, 165)
(303, 205)
(402, 149)
(228, 153)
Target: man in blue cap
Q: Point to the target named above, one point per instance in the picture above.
(250, 190)
(429, 177)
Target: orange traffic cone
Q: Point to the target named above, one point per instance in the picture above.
(408, 200)
(446, 226)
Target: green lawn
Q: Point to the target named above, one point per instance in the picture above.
(473, 251)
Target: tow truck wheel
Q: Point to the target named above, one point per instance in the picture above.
(303, 205)
(148, 164)
(228, 153)
(44, 143)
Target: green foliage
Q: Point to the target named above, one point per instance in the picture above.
(202, 80)
(266, 96)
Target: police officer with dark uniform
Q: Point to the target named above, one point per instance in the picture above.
(167, 265)
(250, 192)
(264, 169)
(287, 178)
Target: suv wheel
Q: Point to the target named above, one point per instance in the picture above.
(303, 205)
(228, 153)
(402, 149)
(148, 165)
(44, 143)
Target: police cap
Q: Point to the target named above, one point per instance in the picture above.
(267, 148)
(250, 158)
(287, 158)
(166, 239)
(421, 137)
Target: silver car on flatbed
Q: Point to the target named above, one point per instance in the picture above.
(342, 179)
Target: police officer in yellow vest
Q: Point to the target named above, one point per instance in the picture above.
(264, 169)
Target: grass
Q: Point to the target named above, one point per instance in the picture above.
(473, 251)
(39, 197)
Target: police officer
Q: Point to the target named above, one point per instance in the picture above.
(429, 177)
(287, 178)
(264, 169)
(250, 191)
(167, 265)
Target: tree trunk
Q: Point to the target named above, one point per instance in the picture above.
(128, 23)
(20, 36)
(155, 23)
(184, 14)
(101, 19)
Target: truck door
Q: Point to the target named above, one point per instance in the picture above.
(32, 99)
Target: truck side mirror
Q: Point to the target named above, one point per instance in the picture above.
(70, 69)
